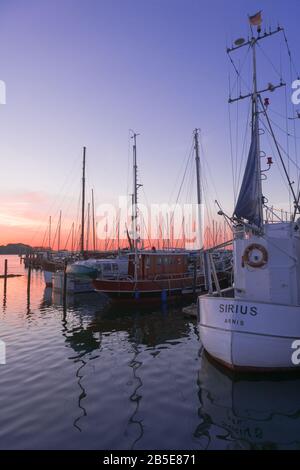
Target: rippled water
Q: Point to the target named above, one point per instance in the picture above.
(112, 377)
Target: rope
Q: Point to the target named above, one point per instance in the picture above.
(289, 53)
(287, 141)
(231, 156)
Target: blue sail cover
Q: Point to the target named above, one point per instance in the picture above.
(248, 203)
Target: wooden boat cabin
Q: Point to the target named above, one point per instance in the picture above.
(153, 265)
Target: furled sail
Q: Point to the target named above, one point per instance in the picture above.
(248, 203)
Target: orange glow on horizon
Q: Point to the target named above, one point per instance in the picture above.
(37, 237)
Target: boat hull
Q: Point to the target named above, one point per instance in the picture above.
(161, 288)
(74, 284)
(250, 335)
(82, 271)
(48, 278)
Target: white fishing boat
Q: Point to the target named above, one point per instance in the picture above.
(258, 327)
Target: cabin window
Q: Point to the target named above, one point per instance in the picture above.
(107, 267)
(115, 267)
(159, 260)
(147, 263)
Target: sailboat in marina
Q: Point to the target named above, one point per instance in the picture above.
(258, 326)
(136, 273)
(161, 273)
(81, 272)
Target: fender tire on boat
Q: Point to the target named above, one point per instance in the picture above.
(255, 264)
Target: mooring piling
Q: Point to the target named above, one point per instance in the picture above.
(29, 279)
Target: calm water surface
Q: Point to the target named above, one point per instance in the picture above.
(115, 377)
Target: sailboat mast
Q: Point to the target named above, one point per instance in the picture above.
(134, 208)
(72, 238)
(255, 120)
(198, 177)
(118, 231)
(83, 201)
(249, 205)
(93, 210)
(59, 231)
(49, 234)
(88, 228)
(135, 191)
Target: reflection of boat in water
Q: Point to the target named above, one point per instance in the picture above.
(253, 411)
(151, 326)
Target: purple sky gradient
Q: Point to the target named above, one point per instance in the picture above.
(83, 72)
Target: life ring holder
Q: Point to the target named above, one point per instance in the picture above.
(255, 264)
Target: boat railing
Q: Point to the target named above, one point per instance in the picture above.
(159, 277)
(273, 215)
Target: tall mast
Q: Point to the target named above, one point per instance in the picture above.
(93, 210)
(96, 239)
(198, 177)
(59, 231)
(83, 201)
(255, 96)
(88, 228)
(134, 208)
(135, 192)
(72, 238)
(118, 230)
(255, 121)
(49, 234)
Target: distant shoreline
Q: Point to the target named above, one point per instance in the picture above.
(15, 249)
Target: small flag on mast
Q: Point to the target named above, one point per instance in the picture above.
(255, 20)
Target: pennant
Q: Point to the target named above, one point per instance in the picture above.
(255, 20)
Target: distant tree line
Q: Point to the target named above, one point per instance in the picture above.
(15, 249)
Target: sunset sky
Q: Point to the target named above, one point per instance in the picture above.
(84, 72)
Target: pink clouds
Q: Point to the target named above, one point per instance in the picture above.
(24, 216)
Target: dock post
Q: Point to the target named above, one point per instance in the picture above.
(207, 271)
(5, 268)
(5, 282)
(136, 295)
(194, 276)
(163, 296)
(29, 279)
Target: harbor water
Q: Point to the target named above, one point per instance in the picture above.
(98, 375)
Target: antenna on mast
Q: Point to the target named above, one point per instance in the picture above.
(136, 187)
(253, 208)
(199, 193)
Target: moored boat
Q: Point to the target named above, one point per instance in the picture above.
(258, 327)
(159, 274)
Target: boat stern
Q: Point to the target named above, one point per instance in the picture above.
(250, 335)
